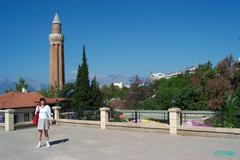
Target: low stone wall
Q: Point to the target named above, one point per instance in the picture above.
(78, 122)
(209, 132)
(138, 127)
(149, 126)
(116, 125)
(181, 130)
(21, 125)
(21, 113)
(2, 126)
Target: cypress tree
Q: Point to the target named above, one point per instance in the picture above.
(96, 95)
(81, 100)
(84, 74)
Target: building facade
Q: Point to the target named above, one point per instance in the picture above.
(157, 76)
(24, 104)
(120, 84)
(56, 39)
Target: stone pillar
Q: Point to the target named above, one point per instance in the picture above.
(104, 116)
(9, 119)
(174, 114)
(56, 112)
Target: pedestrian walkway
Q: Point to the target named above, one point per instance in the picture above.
(82, 143)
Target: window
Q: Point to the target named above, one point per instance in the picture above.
(26, 117)
(2, 117)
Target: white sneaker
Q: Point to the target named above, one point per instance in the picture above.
(39, 145)
(48, 145)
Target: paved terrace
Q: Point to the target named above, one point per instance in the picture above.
(83, 143)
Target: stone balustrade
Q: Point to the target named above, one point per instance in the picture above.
(174, 127)
(104, 117)
(56, 112)
(174, 119)
(9, 119)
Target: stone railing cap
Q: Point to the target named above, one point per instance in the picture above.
(104, 109)
(56, 107)
(174, 110)
(9, 110)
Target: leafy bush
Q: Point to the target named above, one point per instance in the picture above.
(118, 117)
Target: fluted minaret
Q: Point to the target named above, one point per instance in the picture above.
(56, 40)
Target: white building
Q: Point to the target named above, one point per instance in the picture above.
(120, 84)
(170, 75)
(127, 85)
(157, 76)
(191, 69)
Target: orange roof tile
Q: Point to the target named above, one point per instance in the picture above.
(13, 100)
(54, 100)
(19, 100)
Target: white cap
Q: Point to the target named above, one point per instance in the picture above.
(56, 19)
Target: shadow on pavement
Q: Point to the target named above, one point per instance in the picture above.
(59, 141)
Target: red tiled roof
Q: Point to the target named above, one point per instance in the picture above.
(54, 100)
(13, 100)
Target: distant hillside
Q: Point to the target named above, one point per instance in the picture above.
(109, 79)
(33, 85)
(6, 83)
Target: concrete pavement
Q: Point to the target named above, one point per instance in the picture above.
(81, 143)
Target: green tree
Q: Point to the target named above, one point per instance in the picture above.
(112, 91)
(67, 90)
(81, 99)
(148, 104)
(21, 84)
(236, 72)
(169, 89)
(46, 93)
(136, 92)
(221, 85)
(96, 95)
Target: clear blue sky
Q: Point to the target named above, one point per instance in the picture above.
(121, 36)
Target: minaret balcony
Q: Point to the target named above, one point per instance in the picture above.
(56, 37)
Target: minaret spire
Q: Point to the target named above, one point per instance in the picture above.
(56, 19)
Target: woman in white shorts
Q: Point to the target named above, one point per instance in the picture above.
(43, 121)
